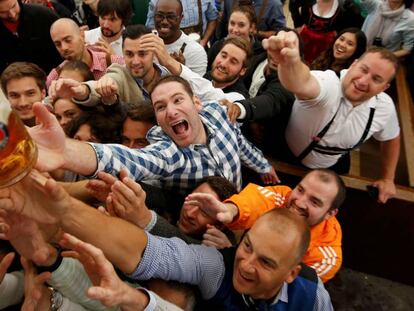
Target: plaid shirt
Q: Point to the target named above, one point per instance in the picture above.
(98, 67)
(181, 168)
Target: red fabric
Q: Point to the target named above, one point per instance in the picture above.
(315, 42)
(12, 26)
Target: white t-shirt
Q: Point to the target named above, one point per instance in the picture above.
(194, 54)
(309, 117)
(92, 36)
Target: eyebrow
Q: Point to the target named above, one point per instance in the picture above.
(272, 261)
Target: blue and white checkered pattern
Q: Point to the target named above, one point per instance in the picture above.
(181, 168)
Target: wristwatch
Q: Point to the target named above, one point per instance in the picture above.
(56, 299)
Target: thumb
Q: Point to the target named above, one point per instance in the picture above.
(43, 115)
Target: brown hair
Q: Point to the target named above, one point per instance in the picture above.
(248, 11)
(19, 70)
(183, 82)
(242, 44)
(221, 186)
(142, 111)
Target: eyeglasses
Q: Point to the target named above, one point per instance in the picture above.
(159, 17)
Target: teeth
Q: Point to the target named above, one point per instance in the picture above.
(176, 123)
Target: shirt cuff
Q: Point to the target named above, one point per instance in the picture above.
(152, 222)
(152, 300)
(87, 101)
(242, 111)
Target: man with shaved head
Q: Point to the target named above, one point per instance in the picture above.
(24, 35)
(70, 43)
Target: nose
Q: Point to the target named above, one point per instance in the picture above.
(105, 23)
(247, 264)
(364, 79)
(300, 202)
(136, 59)
(171, 110)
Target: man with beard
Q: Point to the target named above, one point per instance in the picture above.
(317, 198)
(230, 65)
(113, 16)
(24, 35)
(70, 43)
(167, 19)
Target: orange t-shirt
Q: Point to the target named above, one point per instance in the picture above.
(325, 249)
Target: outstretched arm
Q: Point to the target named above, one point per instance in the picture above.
(294, 75)
(122, 242)
(57, 151)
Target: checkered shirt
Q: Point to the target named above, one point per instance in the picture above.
(179, 168)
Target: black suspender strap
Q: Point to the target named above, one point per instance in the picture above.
(317, 138)
(335, 150)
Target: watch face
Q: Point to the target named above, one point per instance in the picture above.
(56, 299)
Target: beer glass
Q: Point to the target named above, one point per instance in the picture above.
(18, 153)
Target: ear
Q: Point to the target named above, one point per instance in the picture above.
(197, 102)
(293, 274)
(242, 71)
(331, 213)
(386, 87)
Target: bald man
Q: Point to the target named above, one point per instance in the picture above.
(70, 43)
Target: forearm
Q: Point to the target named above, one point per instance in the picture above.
(210, 29)
(390, 151)
(80, 157)
(77, 190)
(401, 53)
(122, 242)
(296, 78)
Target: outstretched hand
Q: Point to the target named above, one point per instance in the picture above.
(37, 197)
(223, 212)
(67, 88)
(108, 287)
(36, 294)
(127, 201)
(49, 138)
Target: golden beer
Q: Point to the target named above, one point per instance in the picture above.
(18, 153)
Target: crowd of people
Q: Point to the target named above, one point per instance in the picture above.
(145, 133)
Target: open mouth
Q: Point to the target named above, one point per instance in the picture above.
(180, 127)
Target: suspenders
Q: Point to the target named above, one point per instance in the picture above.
(335, 150)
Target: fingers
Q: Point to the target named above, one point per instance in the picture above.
(5, 264)
(216, 238)
(43, 115)
(106, 87)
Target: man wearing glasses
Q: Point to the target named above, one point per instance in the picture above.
(24, 33)
(191, 21)
(167, 19)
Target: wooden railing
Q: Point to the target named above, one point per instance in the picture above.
(405, 109)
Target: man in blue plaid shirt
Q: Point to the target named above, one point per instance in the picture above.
(191, 142)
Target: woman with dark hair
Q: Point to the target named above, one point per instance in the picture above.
(390, 24)
(349, 44)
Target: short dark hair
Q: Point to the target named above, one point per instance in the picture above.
(183, 82)
(384, 54)
(79, 66)
(242, 44)
(19, 70)
(122, 8)
(134, 32)
(327, 176)
(142, 111)
(104, 126)
(179, 3)
(224, 188)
